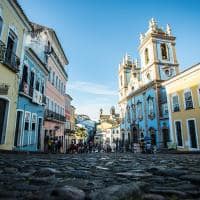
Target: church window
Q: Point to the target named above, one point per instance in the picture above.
(139, 110)
(150, 105)
(175, 103)
(164, 51)
(128, 114)
(188, 100)
(167, 72)
(148, 76)
(121, 80)
(146, 55)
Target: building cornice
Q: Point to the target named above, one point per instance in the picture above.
(141, 89)
(31, 53)
(182, 74)
(18, 9)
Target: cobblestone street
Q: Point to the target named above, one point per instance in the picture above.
(99, 176)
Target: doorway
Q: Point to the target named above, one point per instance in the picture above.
(3, 119)
(135, 135)
(165, 132)
(18, 129)
(39, 133)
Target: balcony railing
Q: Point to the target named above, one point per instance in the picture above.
(50, 115)
(8, 58)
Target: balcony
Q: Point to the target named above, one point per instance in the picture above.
(8, 58)
(53, 116)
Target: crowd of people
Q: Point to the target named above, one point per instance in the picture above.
(52, 144)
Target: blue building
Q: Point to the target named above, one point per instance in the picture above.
(142, 98)
(31, 103)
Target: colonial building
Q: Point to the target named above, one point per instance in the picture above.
(183, 94)
(45, 42)
(31, 102)
(14, 25)
(69, 126)
(142, 98)
(107, 130)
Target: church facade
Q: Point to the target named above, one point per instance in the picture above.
(142, 98)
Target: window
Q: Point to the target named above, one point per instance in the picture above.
(53, 78)
(52, 104)
(198, 92)
(146, 56)
(56, 85)
(64, 90)
(61, 88)
(164, 109)
(163, 51)
(27, 120)
(47, 104)
(24, 81)
(42, 88)
(59, 83)
(37, 85)
(178, 131)
(1, 25)
(128, 114)
(49, 77)
(32, 78)
(175, 104)
(139, 110)
(34, 119)
(188, 100)
(148, 76)
(192, 133)
(11, 44)
(150, 105)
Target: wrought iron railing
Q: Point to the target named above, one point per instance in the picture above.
(54, 116)
(9, 58)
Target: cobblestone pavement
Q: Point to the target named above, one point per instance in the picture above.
(100, 176)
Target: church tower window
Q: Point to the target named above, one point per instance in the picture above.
(164, 51)
(146, 54)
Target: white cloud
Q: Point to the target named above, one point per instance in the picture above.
(92, 88)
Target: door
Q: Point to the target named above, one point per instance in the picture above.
(18, 129)
(3, 119)
(192, 133)
(135, 135)
(39, 133)
(165, 132)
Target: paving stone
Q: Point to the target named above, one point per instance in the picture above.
(111, 176)
(117, 192)
(68, 193)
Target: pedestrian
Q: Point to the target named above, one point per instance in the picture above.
(59, 144)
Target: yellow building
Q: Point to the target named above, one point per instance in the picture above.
(13, 27)
(183, 93)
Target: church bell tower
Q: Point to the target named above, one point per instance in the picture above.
(157, 53)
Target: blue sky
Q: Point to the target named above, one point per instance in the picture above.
(95, 35)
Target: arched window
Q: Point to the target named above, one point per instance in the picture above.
(150, 105)
(146, 55)
(163, 51)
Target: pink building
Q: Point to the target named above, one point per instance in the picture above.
(50, 50)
